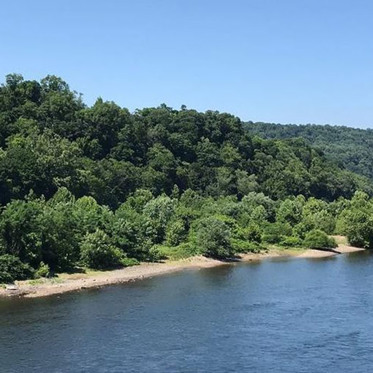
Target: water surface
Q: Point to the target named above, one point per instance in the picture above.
(294, 315)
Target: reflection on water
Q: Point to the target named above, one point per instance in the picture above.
(275, 315)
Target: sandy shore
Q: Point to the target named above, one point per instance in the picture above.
(78, 281)
(341, 249)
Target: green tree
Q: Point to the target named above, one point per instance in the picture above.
(213, 238)
(11, 269)
(21, 233)
(290, 211)
(159, 211)
(98, 252)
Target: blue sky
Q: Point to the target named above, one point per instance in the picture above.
(287, 61)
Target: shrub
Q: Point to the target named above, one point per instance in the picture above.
(292, 242)
(254, 233)
(243, 246)
(42, 271)
(276, 232)
(358, 227)
(129, 262)
(98, 252)
(182, 251)
(213, 237)
(321, 220)
(158, 213)
(176, 233)
(11, 269)
(154, 254)
(300, 230)
(317, 239)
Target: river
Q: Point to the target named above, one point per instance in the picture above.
(283, 315)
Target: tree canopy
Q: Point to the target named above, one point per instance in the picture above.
(102, 187)
(350, 148)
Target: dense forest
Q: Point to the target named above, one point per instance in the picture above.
(348, 147)
(102, 187)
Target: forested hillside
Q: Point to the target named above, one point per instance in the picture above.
(348, 147)
(49, 139)
(102, 187)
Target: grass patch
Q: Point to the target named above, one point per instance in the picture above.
(40, 281)
(341, 240)
(286, 250)
(181, 251)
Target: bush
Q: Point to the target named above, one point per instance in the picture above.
(243, 246)
(321, 220)
(358, 227)
(317, 239)
(129, 262)
(213, 237)
(300, 230)
(158, 213)
(276, 232)
(42, 271)
(254, 233)
(176, 233)
(182, 251)
(11, 269)
(154, 254)
(291, 242)
(98, 252)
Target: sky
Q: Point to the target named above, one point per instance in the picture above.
(282, 61)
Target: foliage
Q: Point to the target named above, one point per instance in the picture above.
(356, 221)
(50, 139)
(21, 230)
(317, 239)
(214, 238)
(108, 188)
(182, 251)
(291, 242)
(243, 246)
(128, 262)
(176, 233)
(11, 269)
(277, 232)
(158, 212)
(43, 270)
(348, 147)
(98, 252)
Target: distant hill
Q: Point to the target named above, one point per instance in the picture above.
(351, 148)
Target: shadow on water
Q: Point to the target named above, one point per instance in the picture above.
(359, 256)
(217, 275)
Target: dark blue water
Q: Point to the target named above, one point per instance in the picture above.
(273, 316)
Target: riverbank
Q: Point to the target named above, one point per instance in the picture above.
(94, 279)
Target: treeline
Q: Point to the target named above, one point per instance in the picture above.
(348, 147)
(40, 237)
(102, 187)
(50, 139)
